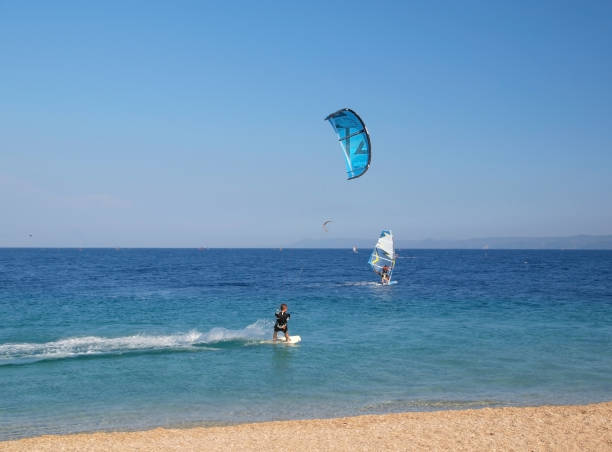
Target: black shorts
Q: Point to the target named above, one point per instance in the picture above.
(283, 329)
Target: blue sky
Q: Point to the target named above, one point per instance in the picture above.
(201, 123)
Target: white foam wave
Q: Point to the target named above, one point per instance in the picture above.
(362, 283)
(96, 345)
(255, 330)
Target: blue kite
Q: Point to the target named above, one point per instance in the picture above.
(354, 139)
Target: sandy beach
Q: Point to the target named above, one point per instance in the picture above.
(579, 428)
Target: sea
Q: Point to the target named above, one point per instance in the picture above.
(130, 339)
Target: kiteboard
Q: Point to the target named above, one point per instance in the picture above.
(282, 340)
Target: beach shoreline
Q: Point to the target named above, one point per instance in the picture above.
(550, 427)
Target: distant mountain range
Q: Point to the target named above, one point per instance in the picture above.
(574, 242)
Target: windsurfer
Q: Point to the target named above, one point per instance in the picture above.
(384, 275)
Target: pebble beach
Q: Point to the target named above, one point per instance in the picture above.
(567, 428)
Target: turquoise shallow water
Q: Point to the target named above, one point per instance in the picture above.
(130, 339)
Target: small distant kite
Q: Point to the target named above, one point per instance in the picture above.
(325, 223)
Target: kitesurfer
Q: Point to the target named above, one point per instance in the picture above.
(281, 322)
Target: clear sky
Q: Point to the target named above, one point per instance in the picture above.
(199, 123)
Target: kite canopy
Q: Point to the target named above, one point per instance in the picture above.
(354, 139)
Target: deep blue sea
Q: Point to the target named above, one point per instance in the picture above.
(104, 339)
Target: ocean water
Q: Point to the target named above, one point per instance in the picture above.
(126, 339)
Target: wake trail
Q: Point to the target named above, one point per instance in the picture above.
(16, 353)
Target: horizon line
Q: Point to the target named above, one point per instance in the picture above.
(120, 248)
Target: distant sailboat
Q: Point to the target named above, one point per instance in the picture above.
(355, 250)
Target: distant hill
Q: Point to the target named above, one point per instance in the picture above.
(575, 242)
